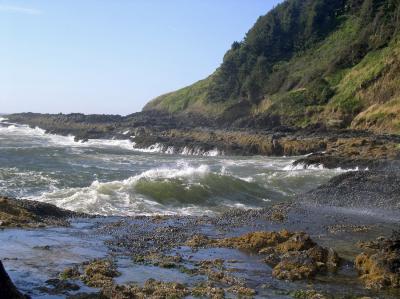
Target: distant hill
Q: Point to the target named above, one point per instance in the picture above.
(305, 63)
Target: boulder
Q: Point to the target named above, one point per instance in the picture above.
(293, 255)
(379, 266)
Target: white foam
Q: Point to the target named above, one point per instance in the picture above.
(186, 151)
(197, 151)
(26, 180)
(213, 153)
(246, 179)
(119, 197)
(59, 140)
(170, 150)
(155, 148)
(301, 166)
(317, 167)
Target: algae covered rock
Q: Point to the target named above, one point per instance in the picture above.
(296, 242)
(208, 290)
(295, 266)
(197, 241)
(58, 287)
(12, 215)
(293, 255)
(99, 273)
(159, 260)
(255, 241)
(308, 294)
(32, 214)
(305, 264)
(380, 267)
(304, 259)
(151, 289)
(70, 273)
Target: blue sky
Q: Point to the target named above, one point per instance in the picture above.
(112, 56)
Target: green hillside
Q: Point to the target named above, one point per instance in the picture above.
(335, 62)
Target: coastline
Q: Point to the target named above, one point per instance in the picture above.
(154, 131)
(276, 176)
(188, 255)
(194, 255)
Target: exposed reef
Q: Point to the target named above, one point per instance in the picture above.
(379, 265)
(30, 214)
(190, 134)
(294, 256)
(359, 189)
(240, 253)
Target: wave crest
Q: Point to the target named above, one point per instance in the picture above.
(185, 151)
(181, 190)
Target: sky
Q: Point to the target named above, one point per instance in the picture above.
(112, 56)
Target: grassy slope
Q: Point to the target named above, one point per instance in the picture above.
(365, 95)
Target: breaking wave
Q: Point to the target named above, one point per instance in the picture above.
(185, 151)
(96, 177)
(300, 166)
(59, 140)
(181, 190)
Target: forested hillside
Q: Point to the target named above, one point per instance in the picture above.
(306, 62)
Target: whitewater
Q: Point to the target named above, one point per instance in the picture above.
(113, 177)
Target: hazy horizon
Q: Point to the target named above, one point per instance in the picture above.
(112, 57)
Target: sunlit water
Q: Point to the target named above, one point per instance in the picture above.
(111, 177)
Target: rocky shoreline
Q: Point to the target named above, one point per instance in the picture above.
(191, 134)
(32, 214)
(339, 253)
(332, 242)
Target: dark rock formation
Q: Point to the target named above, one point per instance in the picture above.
(7, 288)
(332, 148)
(27, 213)
(365, 189)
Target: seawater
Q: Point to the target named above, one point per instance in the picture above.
(113, 177)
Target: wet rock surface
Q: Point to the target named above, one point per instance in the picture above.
(240, 253)
(151, 289)
(379, 265)
(237, 254)
(99, 273)
(354, 151)
(294, 256)
(26, 213)
(57, 286)
(195, 134)
(379, 189)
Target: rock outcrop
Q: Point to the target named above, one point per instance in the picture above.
(27, 213)
(293, 256)
(359, 189)
(379, 265)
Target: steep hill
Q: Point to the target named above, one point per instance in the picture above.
(306, 62)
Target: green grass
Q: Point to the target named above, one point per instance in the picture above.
(181, 99)
(294, 92)
(358, 78)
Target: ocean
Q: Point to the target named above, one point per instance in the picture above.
(112, 177)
